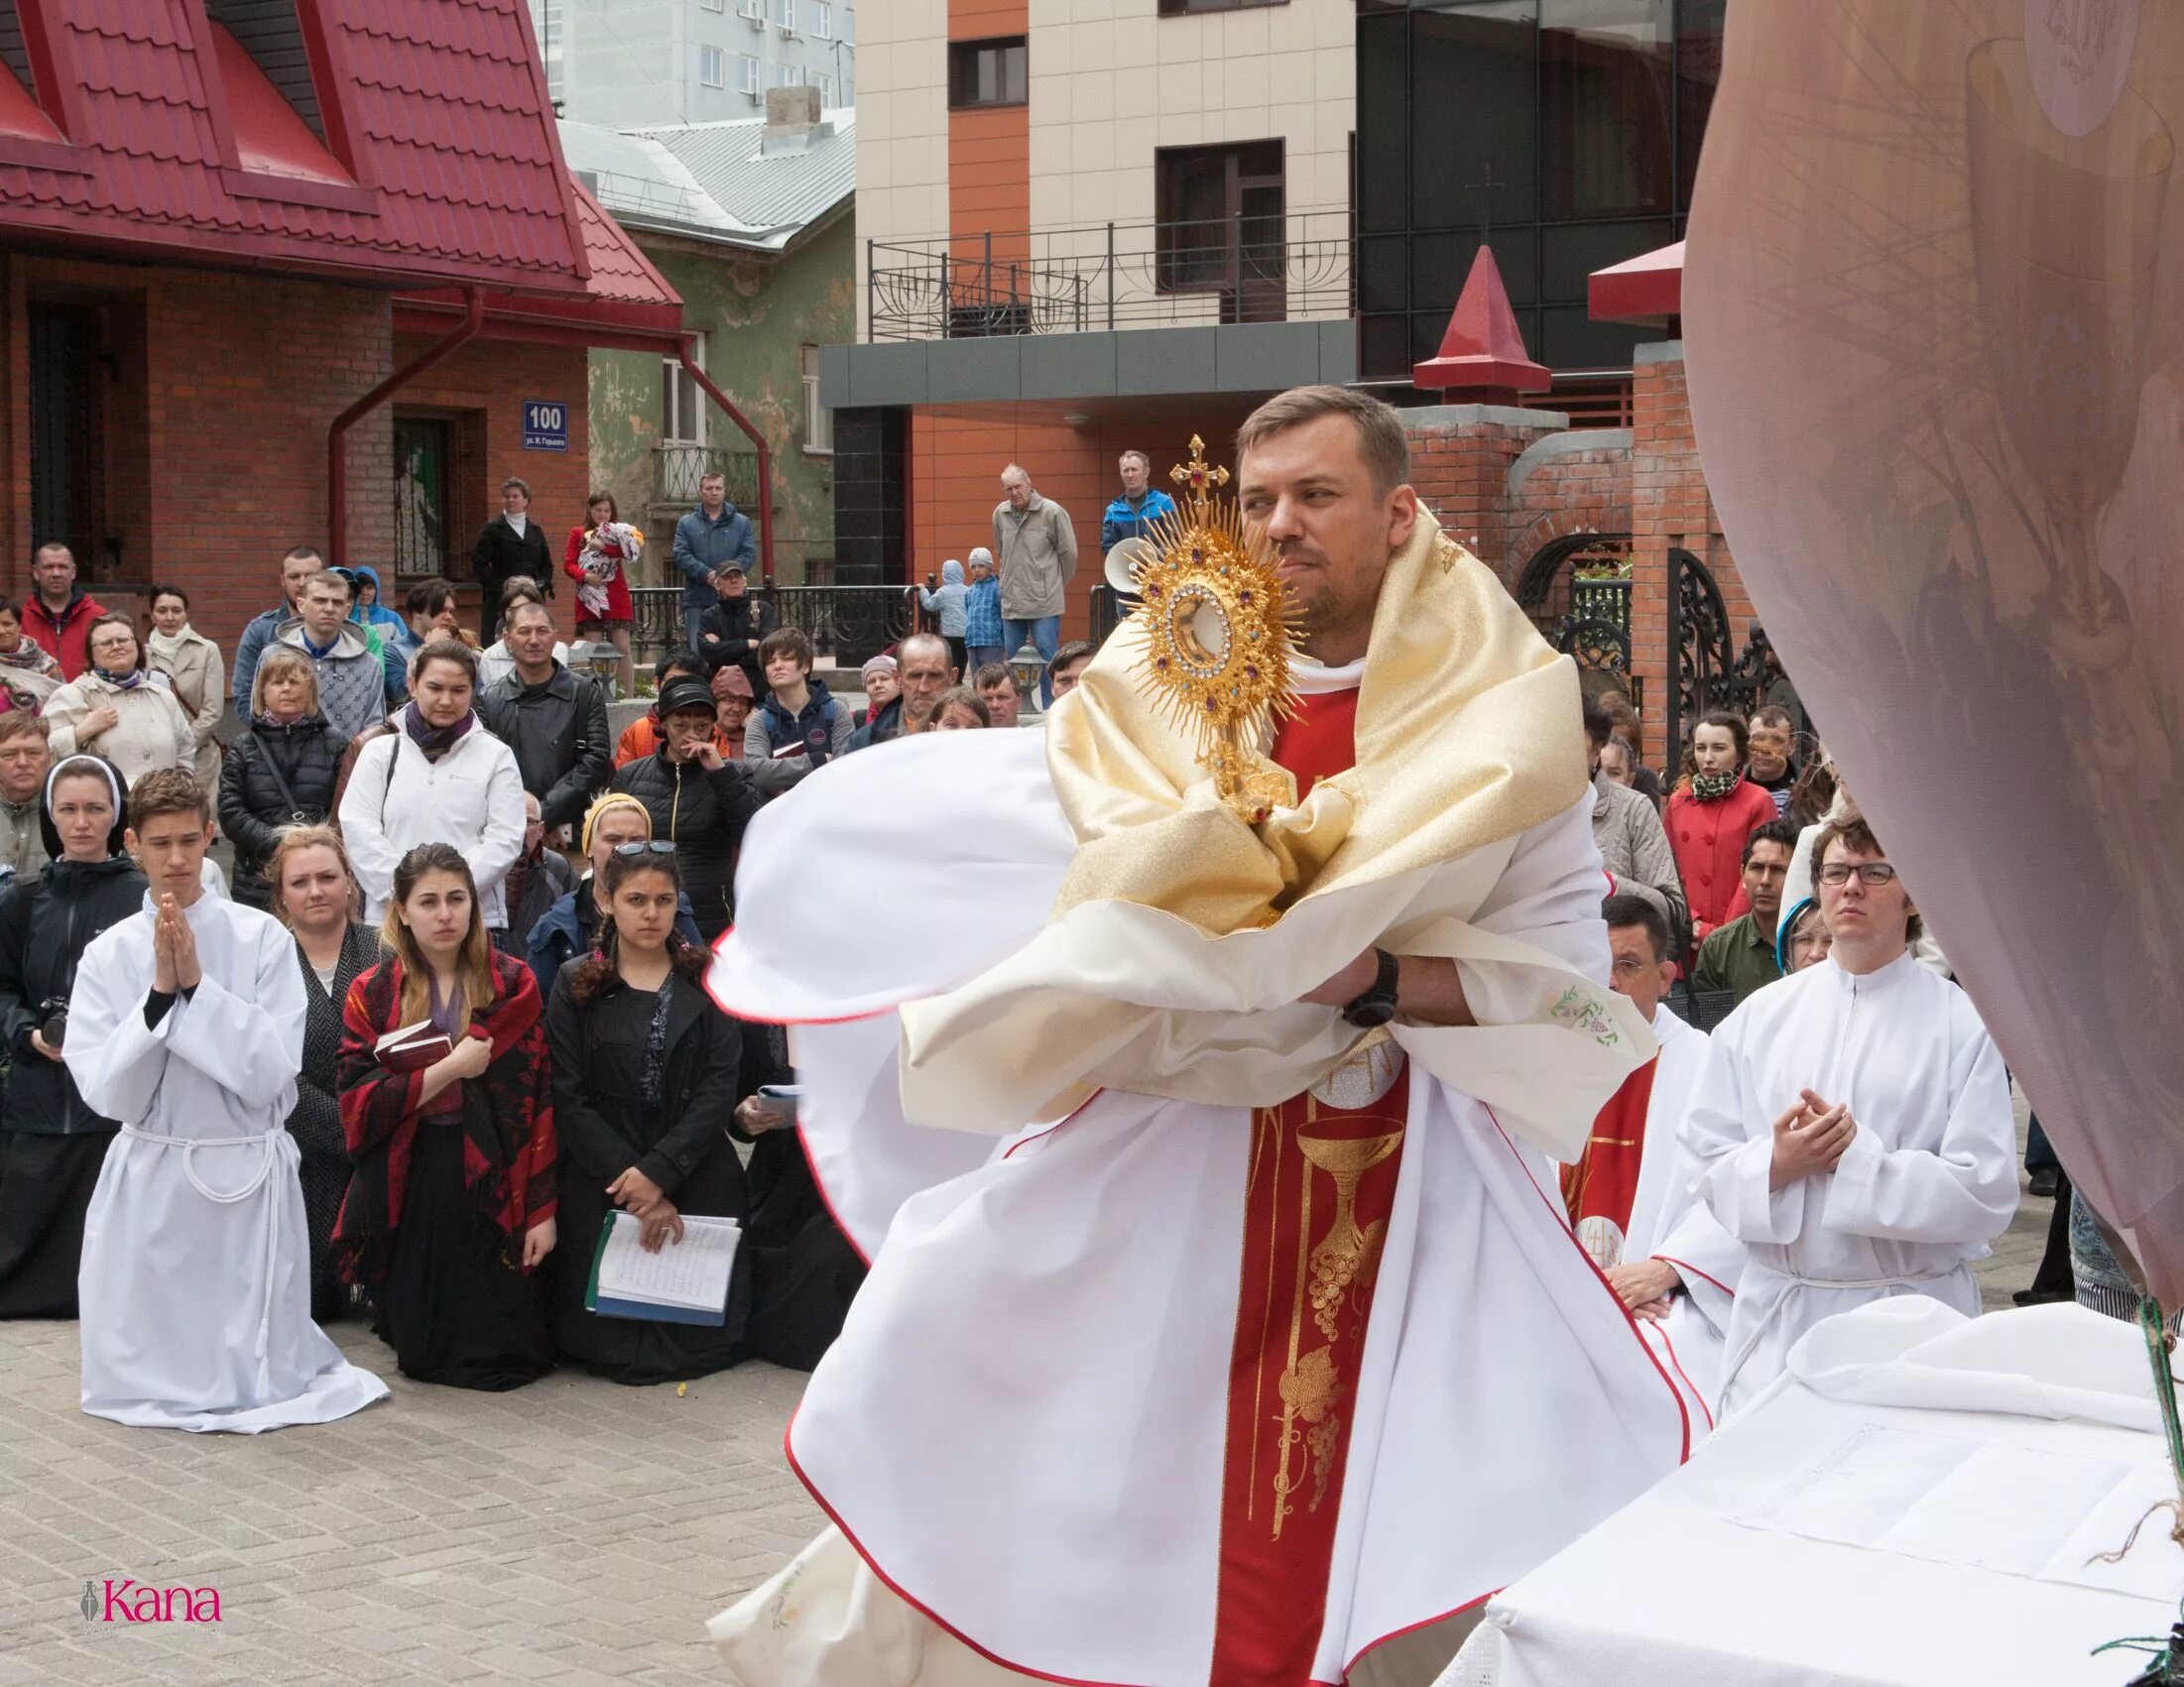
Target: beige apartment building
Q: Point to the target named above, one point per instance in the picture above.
(1083, 226)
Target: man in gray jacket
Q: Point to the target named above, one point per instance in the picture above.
(1035, 548)
(352, 682)
(1633, 843)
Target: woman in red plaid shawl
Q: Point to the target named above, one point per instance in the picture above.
(451, 1208)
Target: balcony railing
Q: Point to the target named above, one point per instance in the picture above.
(1101, 276)
(847, 625)
(679, 467)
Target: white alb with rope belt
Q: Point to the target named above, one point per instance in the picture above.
(195, 1283)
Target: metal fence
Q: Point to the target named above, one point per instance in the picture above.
(846, 624)
(1100, 276)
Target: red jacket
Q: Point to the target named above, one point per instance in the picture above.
(63, 638)
(1708, 839)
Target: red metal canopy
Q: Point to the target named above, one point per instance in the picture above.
(148, 129)
(1645, 289)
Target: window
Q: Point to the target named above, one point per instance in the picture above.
(269, 31)
(747, 74)
(682, 404)
(987, 72)
(712, 5)
(713, 67)
(789, 15)
(819, 421)
(826, 91)
(787, 76)
(755, 10)
(823, 20)
(1219, 214)
(1606, 70)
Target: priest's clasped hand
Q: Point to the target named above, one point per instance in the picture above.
(1809, 1138)
(174, 969)
(1645, 1286)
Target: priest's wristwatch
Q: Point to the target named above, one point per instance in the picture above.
(1377, 1005)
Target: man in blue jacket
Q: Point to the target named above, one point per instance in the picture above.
(1140, 506)
(706, 540)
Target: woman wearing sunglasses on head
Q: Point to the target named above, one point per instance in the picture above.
(645, 1094)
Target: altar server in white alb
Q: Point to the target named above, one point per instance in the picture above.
(186, 1025)
(1630, 1194)
(1854, 1127)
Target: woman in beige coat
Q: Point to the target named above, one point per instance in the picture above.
(192, 665)
(114, 708)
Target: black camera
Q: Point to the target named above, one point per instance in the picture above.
(53, 1020)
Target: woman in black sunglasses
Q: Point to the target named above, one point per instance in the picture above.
(644, 1094)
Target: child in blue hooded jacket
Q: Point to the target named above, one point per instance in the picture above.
(948, 604)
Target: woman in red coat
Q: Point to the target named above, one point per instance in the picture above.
(1710, 814)
(599, 558)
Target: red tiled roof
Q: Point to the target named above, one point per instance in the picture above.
(440, 105)
(627, 303)
(619, 270)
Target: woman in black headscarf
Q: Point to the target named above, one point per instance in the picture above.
(52, 1145)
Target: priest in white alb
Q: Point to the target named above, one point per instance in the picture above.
(1631, 1193)
(186, 1025)
(1186, 1086)
(1853, 1129)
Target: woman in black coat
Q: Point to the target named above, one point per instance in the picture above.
(279, 772)
(643, 1101)
(314, 895)
(52, 1145)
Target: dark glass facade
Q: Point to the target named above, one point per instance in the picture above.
(1566, 129)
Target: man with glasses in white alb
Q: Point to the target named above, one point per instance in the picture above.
(1853, 1129)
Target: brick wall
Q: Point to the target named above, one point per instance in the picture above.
(1670, 509)
(218, 401)
(220, 398)
(1647, 483)
(495, 378)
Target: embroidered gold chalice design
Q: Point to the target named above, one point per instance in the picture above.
(1218, 634)
(1347, 1251)
(1309, 1386)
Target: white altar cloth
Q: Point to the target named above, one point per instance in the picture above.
(1913, 1503)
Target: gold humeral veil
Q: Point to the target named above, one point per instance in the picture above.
(1185, 933)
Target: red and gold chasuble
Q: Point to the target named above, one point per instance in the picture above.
(1318, 1192)
(1599, 1186)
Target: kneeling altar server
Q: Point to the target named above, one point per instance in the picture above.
(187, 1026)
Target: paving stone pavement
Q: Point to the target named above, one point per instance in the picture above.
(572, 1531)
(569, 1532)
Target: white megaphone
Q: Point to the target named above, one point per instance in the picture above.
(1124, 561)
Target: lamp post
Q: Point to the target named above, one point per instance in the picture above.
(601, 660)
(1025, 670)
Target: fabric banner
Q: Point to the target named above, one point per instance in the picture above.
(1933, 308)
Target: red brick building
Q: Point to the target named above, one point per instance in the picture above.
(278, 272)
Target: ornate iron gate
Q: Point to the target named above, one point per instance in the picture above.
(1702, 670)
(1577, 592)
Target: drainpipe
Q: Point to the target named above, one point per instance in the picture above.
(337, 463)
(765, 456)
